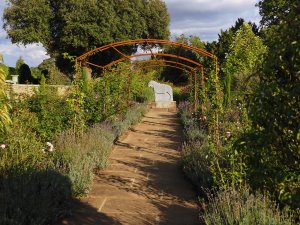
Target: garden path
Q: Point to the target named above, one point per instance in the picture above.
(143, 183)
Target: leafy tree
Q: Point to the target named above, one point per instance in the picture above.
(222, 47)
(76, 26)
(273, 143)
(19, 63)
(35, 73)
(24, 74)
(245, 57)
(52, 74)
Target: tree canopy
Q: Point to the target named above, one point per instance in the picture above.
(225, 38)
(76, 26)
(245, 57)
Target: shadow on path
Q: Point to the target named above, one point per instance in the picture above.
(84, 214)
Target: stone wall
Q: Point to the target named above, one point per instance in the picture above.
(28, 89)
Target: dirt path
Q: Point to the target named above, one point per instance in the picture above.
(143, 183)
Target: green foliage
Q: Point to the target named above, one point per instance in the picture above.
(106, 97)
(255, 139)
(91, 23)
(196, 162)
(273, 140)
(245, 57)
(4, 115)
(27, 75)
(37, 183)
(52, 74)
(241, 207)
(139, 90)
(180, 94)
(52, 111)
(109, 94)
(222, 46)
(5, 70)
(78, 155)
(271, 145)
(196, 157)
(19, 63)
(35, 73)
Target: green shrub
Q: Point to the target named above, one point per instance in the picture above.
(105, 97)
(139, 90)
(23, 146)
(194, 134)
(180, 94)
(233, 207)
(53, 112)
(147, 95)
(77, 156)
(78, 168)
(132, 116)
(196, 162)
(53, 75)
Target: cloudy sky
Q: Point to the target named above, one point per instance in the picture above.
(204, 18)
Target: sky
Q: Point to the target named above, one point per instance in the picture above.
(203, 18)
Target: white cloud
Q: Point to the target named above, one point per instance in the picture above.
(205, 18)
(33, 54)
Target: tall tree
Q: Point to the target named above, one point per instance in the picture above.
(76, 26)
(19, 63)
(244, 59)
(221, 47)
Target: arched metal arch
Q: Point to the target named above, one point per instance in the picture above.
(83, 58)
(114, 46)
(147, 42)
(199, 66)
